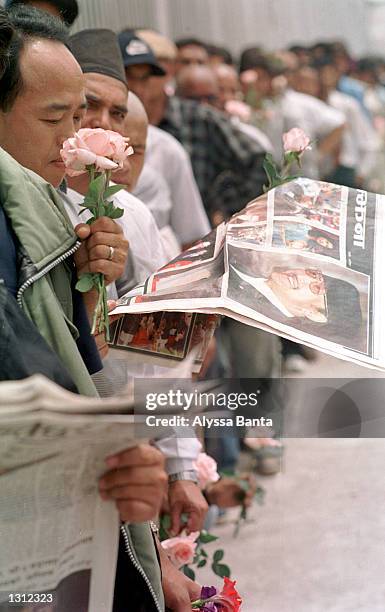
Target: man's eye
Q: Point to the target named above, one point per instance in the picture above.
(52, 121)
(119, 115)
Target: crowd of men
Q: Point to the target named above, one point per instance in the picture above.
(200, 125)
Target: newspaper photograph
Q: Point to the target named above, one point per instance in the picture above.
(301, 261)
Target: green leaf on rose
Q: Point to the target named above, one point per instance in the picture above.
(85, 283)
(202, 563)
(218, 556)
(95, 188)
(188, 572)
(222, 570)
(110, 191)
(117, 213)
(206, 538)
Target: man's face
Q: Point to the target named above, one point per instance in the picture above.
(47, 111)
(139, 81)
(135, 128)
(106, 103)
(204, 91)
(229, 86)
(192, 55)
(302, 291)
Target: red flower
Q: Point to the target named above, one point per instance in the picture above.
(228, 599)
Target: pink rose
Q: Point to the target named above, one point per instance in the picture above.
(296, 141)
(181, 549)
(239, 109)
(104, 149)
(206, 468)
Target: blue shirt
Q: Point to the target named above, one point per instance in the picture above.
(8, 254)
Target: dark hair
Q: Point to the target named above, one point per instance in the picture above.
(222, 52)
(6, 33)
(186, 42)
(253, 58)
(69, 9)
(28, 23)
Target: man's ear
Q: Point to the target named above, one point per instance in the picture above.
(316, 316)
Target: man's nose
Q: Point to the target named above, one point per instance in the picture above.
(100, 120)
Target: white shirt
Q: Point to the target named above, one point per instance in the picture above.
(166, 155)
(317, 119)
(139, 229)
(253, 133)
(360, 144)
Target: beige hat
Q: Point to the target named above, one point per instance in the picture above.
(162, 47)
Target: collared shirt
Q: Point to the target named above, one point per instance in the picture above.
(227, 164)
(145, 246)
(187, 216)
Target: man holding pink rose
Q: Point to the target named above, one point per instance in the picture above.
(41, 104)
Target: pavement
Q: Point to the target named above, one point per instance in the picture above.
(318, 542)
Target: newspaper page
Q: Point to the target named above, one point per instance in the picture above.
(302, 261)
(59, 539)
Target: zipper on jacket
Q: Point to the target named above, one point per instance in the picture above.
(139, 568)
(35, 277)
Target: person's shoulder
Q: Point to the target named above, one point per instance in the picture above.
(156, 136)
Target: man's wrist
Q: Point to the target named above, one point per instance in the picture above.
(190, 475)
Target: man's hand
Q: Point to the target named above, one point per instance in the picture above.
(185, 497)
(136, 481)
(95, 253)
(228, 492)
(179, 591)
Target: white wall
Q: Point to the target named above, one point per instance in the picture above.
(238, 23)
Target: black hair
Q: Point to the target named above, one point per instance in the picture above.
(28, 23)
(253, 58)
(68, 9)
(185, 42)
(222, 52)
(6, 33)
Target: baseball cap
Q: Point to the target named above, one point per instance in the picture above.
(136, 51)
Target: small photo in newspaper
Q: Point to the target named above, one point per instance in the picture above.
(314, 201)
(169, 334)
(306, 238)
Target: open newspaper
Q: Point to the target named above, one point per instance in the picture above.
(59, 540)
(304, 261)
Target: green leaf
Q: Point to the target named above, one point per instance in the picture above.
(95, 188)
(218, 556)
(101, 210)
(91, 220)
(202, 563)
(204, 553)
(117, 213)
(188, 572)
(205, 537)
(110, 191)
(85, 283)
(165, 521)
(221, 570)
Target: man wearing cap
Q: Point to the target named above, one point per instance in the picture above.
(227, 165)
(98, 54)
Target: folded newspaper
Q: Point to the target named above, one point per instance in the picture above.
(303, 261)
(59, 540)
